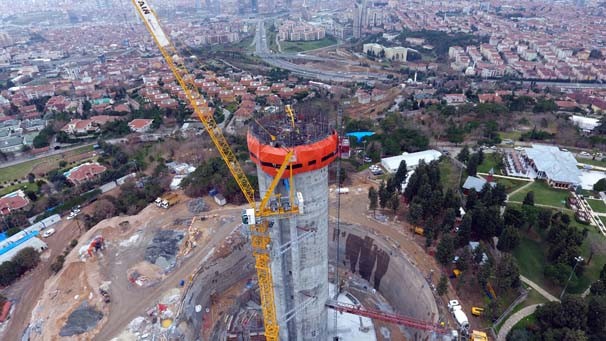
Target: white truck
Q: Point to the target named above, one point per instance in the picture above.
(457, 311)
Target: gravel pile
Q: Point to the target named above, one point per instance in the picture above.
(197, 206)
(163, 249)
(81, 320)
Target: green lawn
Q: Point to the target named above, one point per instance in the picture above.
(24, 186)
(599, 163)
(298, 46)
(531, 260)
(597, 205)
(603, 219)
(20, 171)
(511, 135)
(449, 174)
(490, 162)
(525, 322)
(531, 257)
(543, 195)
(510, 184)
(533, 298)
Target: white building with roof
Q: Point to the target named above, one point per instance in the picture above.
(391, 164)
(557, 167)
(587, 124)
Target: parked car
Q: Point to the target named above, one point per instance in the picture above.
(48, 233)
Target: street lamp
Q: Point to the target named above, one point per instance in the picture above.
(577, 259)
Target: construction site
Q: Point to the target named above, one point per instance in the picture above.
(301, 261)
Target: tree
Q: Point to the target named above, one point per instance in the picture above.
(529, 199)
(464, 260)
(400, 175)
(472, 165)
(507, 273)
(464, 233)
(509, 239)
(394, 202)
(383, 195)
(463, 154)
(445, 250)
(544, 219)
(373, 197)
(513, 217)
(603, 273)
(596, 315)
(31, 178)
(442, 287)
(600, 186)
(26, 259)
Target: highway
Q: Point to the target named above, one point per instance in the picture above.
(281, 60)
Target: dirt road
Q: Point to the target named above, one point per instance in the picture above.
(28, 289)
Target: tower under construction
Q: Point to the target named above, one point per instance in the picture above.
(299, 248)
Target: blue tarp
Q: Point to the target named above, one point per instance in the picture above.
(361, 134)
(14, 244)
(2, 236)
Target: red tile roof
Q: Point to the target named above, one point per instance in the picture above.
(85, 172)
(140, 123)
(9, 204)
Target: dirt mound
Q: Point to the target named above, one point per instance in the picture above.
(81, 320)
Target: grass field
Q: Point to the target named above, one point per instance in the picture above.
(543, 195)
(24, 186)
(449, 174)
(490, 162)
(511, 135)
(597, 205)
(598, 163)
(533, 298)
(531, 260)
(525, 322)
(510, 185)
(20, 171)
(298, 46)
(603, 219)
(531, 257)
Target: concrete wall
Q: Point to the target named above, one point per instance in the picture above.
(402, 284)
(301, 273)
(218, 276)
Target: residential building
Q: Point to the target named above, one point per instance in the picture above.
(85, 172)
(557, 167)
(140, 125)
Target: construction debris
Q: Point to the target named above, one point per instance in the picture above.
(197, 206)
(81, 320)
(163, 249)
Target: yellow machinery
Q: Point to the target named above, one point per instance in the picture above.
(260, 238)
(290, 113)
(477, 311)
(477, 335)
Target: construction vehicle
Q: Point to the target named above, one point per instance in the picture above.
(254, 217)
(167, 200)
(457, 312)
(419, 230)
(476, 311)
(98, 243)
(477, 335)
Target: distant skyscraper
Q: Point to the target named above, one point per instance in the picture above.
(359, 18)
(198, 4)
(254, 6)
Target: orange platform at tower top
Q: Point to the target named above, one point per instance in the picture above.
(307, 157)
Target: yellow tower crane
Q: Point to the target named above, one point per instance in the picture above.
(253, 217)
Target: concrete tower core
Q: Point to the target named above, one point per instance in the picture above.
(299, 248)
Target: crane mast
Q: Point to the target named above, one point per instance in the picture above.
(253, 217)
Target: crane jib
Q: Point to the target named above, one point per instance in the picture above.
(143, 5)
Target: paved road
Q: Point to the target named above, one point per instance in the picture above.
(262, 50)
(540, 290)
(514, 319)
(41, 155)
(526, 311)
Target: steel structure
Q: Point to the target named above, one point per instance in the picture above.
(387, 317)
(254, 217)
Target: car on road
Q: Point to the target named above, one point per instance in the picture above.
(48, 233)
(519, 149)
